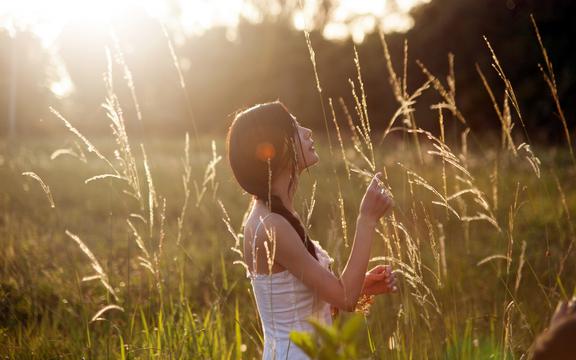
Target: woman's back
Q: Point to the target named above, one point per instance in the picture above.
(284, 302)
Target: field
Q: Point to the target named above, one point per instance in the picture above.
(112, 249)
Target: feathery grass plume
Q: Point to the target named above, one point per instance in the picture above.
(186, 185)
(400, 89)
(146, 260)
(421, 292)
(344, 158)
(511, 220)
(237, 237)
(509, 90)
(343, 223)
(442, 241)
(420, 181)
(309, 206)
(162, 233)
(182, 83)
(494, 177)
(494, 257)
(363, 105)
(353, 133)
(89, 146)
(531, 157)
(504, 115)
(45, 187)
(550, 79)
(152, 199)
(123, 153)
(363, 131)
(97, 316)
(209, 177)
(447, 95)
(105, 176)
(569, 250)
(270, 253)
(75, 152)
(406, 109)
(100, 274)
(317, 78)
(443, 140)
(120, 60)
(434, 246)
(507, 341)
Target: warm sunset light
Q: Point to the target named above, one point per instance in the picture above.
(287, 179)
(192, 17)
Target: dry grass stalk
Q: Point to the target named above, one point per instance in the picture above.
(45, 187)
(520, 266)
(533, 160)
(447, 95)
(209, 177)
(443, 140)
(566, 209)
(100, 274)
(181, 81)
(146, 260)
(504, 115)
(123, 154)
(399, 87)
(98, 315)
(186, 185)
(434, 246)
(152, 199)
(551, 82)
(343, 223)
(310, 205)
(127, 73)
(353, 133)
(75, 153)
(509, 90)
(494, 257)
(318, 87)
(89, 146)
(343, 151)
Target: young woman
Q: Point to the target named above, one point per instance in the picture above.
(290, 274)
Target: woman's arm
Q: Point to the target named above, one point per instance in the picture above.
(291, 253)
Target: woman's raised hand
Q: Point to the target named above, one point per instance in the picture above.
(379, 280)
(376, 201)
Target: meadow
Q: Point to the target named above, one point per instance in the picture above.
(125, 247)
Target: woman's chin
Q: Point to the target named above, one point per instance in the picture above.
(314, 159)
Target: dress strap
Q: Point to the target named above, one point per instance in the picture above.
(261, 221)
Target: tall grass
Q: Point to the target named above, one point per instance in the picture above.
(481, 232)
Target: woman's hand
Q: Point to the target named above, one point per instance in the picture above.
(379, 280)
(376, 201)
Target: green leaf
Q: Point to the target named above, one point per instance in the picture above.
(304, 341)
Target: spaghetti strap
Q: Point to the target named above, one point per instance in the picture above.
(261, 221)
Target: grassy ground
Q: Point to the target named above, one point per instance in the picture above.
(188, 299)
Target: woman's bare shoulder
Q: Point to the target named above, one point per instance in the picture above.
(259, 225)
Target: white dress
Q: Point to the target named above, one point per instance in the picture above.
(284, 304)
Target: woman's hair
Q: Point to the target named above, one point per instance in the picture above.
(261, 143)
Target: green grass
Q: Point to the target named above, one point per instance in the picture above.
(47, 308)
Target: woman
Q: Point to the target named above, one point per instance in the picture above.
(290, 274)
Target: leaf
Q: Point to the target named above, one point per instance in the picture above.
(352, 327)
(304, 341)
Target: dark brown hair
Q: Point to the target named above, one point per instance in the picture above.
(558, 342)
(261, 143)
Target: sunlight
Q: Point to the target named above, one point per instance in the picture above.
(47, 18)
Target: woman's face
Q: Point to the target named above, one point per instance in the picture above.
(307, 153)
